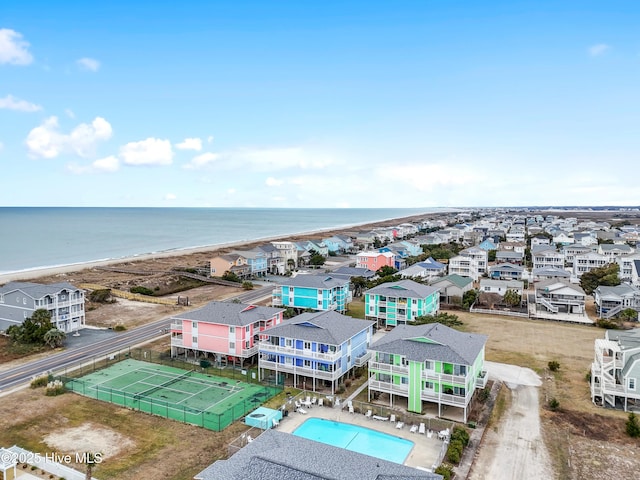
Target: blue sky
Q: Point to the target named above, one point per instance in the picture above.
(319, 104)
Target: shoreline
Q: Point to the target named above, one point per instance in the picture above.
(40, 272)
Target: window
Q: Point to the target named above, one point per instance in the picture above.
(232, 329)
(195, 339)
(194, 325)
(428, 385)
(307, 345)
(232, 345)
(288, 342)
(247, 344)
(307, 363)
(632, 384)
(247, 328)
(24, 301)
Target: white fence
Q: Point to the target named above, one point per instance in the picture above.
(43, 462)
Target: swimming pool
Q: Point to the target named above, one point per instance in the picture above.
(355, 438)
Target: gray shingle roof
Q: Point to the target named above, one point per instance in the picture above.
(228, 313)
(551, 271)
(342, 272)
(331, 328)
(277, 455)
(37, 290)
(433, 341)
(404, 288)
(313, 281)
(458, 280)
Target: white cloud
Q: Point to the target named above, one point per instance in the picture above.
(46, 141)
(152, 151)
(265, 160)
(190, 144)
(12, 103)
(70, 113)
(273, 182)
(170, 196)
(13, 49)
(89, 64)
(210, 138)
(598, 49)
(108, 164)
(201, 161)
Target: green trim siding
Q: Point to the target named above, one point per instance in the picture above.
(414, 403)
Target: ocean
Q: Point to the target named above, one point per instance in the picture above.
(40, 237)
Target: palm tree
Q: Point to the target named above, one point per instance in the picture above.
(54, 338)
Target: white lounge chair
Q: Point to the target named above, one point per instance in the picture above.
(349, 404)
(399, 425)
(320, 402)
(392, 419)
(297, 405)
(302, 411)
(429, 433)
(337, 402)
(249, 439)
(351, 410)
(422, 429)
(314, 400)
(368, 414)
(275, 423)
(413, 429)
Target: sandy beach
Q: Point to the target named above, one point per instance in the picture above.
(190, 257)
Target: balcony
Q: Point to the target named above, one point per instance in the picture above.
(176, 327)
(444, 398)
(362, 360)
(176, 342)
(387, 387)
(295, 352)
(444, 377)
(387, 368)
(481, 379)
(305, 371)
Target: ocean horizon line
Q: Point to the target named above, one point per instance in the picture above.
(41, 270)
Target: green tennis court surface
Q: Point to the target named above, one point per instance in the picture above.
(188, 396)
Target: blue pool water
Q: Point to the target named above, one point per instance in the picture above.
(355, 438)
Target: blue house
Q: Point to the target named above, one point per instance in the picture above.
(316, 292)
(314, 349)
(257, 261)
(339, 244)
(488, 245)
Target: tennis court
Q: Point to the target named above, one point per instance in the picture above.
(188, 396)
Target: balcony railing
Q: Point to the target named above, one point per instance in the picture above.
(362, 360)
(387, 368)
(444, 377)
(445, 398)
(387, 387)
(481, 379)
(296, 352)
(176, 342)
(306, 371)
(177, 327)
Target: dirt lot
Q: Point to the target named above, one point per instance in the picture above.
(584, 441)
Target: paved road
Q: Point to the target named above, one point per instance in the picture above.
(76, 356)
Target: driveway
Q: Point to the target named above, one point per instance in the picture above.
(513, 448)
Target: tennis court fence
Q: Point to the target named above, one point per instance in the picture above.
(141, 402)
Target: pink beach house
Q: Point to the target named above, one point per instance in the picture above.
(374, 260)
(224, 332)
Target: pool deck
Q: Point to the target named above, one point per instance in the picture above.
(424, 453)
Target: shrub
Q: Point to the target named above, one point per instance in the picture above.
(461, 434)
(141, 290)
(119, 328)
(554, 404)
(40, 381)
(101, 296)
(454, 452)
(347, 383)
(445, 470)
(633, 426)
(554, 366)
(54, 388)
(587, 376)
(247, 285)
(484, 394)
(607, 324)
